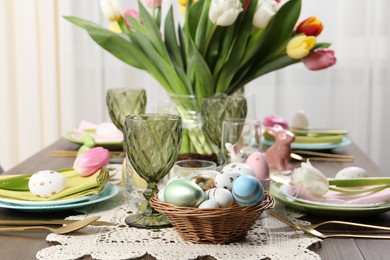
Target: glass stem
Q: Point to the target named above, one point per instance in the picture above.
(148, 193)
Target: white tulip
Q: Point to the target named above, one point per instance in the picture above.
(224, 12)
(110, 10)
(266, 9)
(310, 179)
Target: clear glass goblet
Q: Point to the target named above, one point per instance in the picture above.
(152, 145)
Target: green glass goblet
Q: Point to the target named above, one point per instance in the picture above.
(125, 101)
(152, 145)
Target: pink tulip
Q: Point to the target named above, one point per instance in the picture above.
(319, 59)
(153, 3)
(91, 160)
(272, 120)
(131, 12)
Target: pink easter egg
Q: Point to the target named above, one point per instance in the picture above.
(258, 163)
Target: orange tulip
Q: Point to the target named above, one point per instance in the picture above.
(310, 26)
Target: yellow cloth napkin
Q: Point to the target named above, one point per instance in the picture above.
(76, 187)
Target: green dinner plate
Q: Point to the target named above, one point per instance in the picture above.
(111, 145)
(313, 146)
(333, 211)
(109, 191)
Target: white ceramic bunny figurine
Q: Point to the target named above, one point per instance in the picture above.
(236, 155)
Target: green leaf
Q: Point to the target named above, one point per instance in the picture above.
(322, 45)
(171, 41)
(255, 72)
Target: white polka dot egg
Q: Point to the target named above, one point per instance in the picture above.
(46, 183)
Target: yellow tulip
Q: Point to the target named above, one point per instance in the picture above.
(115, 27)
(300, 46)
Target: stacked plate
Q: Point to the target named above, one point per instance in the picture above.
(278, 191)
(109, 191)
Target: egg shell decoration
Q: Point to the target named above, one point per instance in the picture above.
(211, 173)
(46, 183)
(352, 172)
(204, 181)
(300, 120)
(107, 130)
(222, 196)
(183, 193)
(242, 168)
(247, 191)
(226, 180)
(209, 204)
(259, 164)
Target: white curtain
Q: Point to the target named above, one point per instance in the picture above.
(52, 75)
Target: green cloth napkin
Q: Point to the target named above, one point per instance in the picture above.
(76, 187)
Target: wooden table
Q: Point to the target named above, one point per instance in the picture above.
(25, 245)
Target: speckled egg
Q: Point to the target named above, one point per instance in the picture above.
(352, 172)
(204, 181)
(222, 196)
(242, 168)
(46, 183)
(209, 204)
(226, 180)
(259, 164)
(183, 193)
(247, 191)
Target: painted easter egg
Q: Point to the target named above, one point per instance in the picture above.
(209, 204)
(222, 196)
(352, 172)
(247, 191)
(204, 181)
(259, 164)
(226, 180)
(183, 193)
(46, 183)
(242, 168)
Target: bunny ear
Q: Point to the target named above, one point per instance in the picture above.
(228, 146)
(236, 150)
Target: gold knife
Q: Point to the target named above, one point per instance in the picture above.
(17, 222)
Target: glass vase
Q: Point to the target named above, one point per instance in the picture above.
(193, 138)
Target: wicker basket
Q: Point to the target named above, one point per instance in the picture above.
(212, 226)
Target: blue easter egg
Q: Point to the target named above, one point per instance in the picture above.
(247, 191)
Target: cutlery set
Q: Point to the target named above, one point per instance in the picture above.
(311, 229)
(320, 156)
(69, 225)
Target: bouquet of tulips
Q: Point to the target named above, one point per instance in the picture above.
(222, 45)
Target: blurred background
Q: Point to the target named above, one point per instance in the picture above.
(53, 75)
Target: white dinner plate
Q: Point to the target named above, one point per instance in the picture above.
(313, 146)
(331, 211)
(109, 191)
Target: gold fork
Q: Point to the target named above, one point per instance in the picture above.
(310, 229)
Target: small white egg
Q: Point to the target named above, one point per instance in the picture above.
(209, 204)
(239, 167)
(222, 196)
(300, 120)
(160, 195)
(352, 172)
(46, 183)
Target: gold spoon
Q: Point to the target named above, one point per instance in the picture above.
(62, 230)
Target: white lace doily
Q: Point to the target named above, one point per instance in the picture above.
(268, 238)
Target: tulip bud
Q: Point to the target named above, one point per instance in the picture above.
(310, 26)
(264, 12)
(272, 120)
(153, 3)
(90, 161)
(110, 10)
(224, 12)
(310, 179)
(319, 59)
(300, 46)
